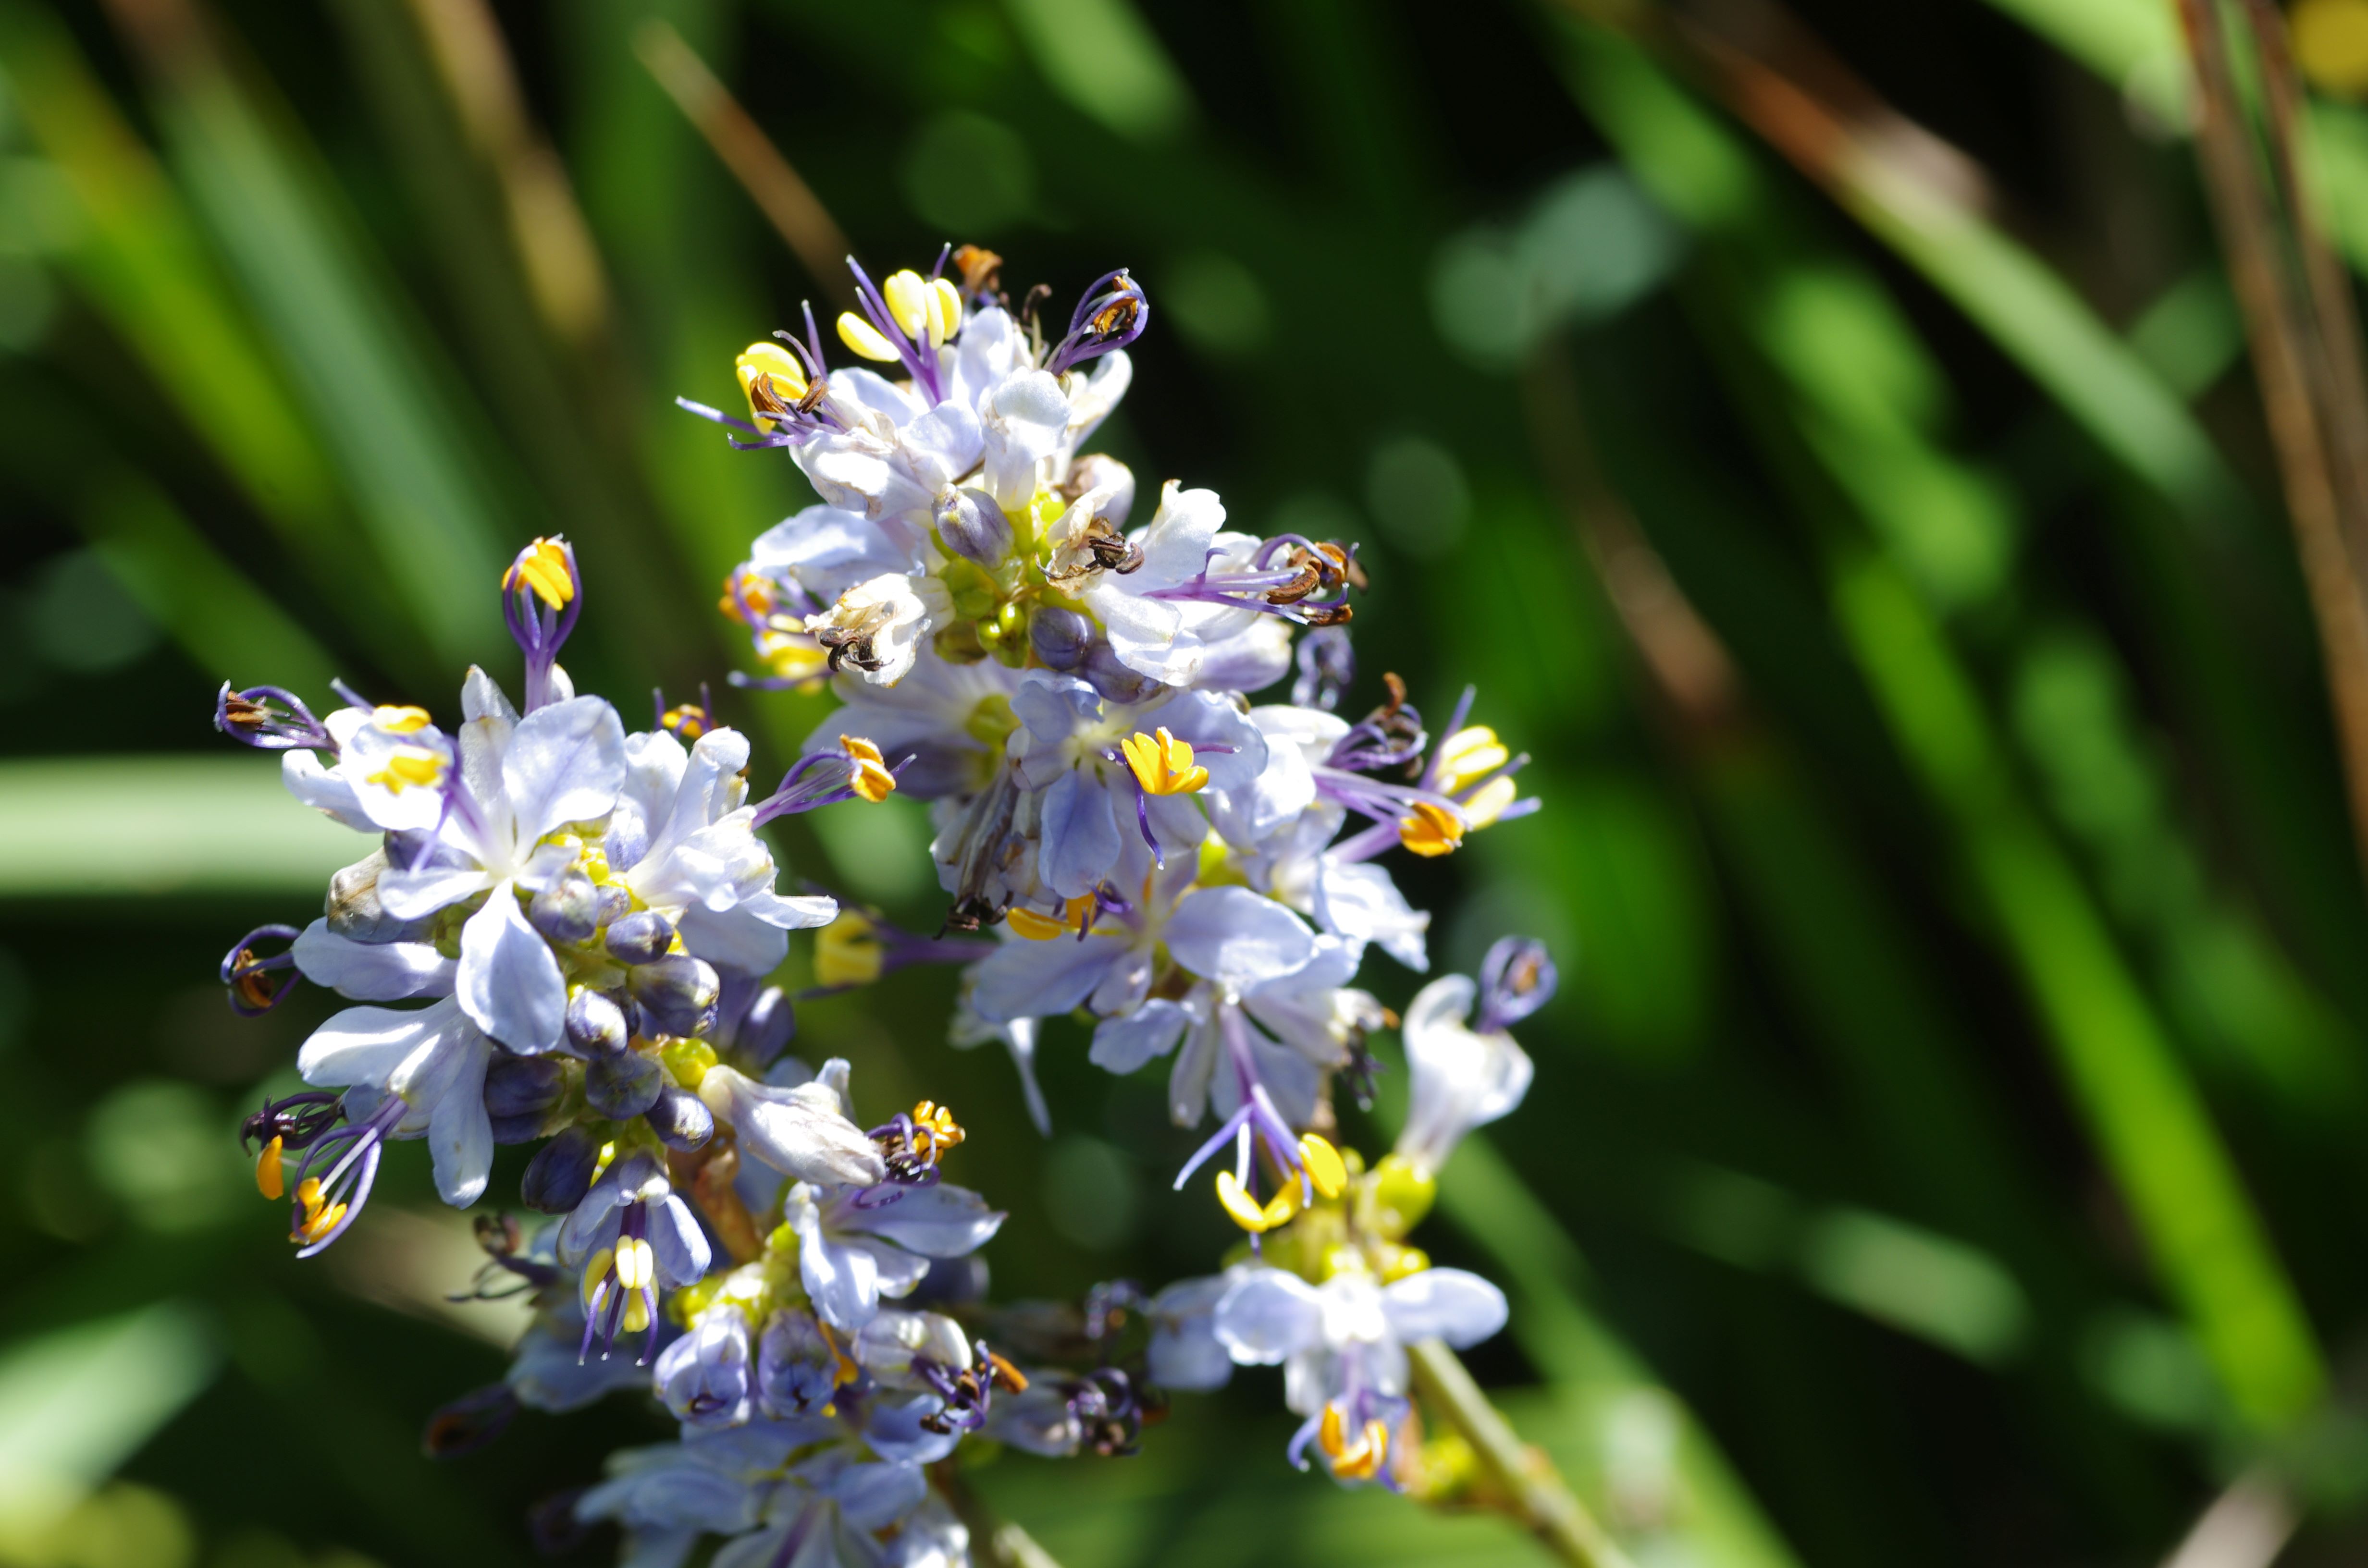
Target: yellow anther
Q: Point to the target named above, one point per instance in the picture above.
(689, 720)
(864, 339)
(847, 952)
(945, 309)
(867, 772)
(407, 767)
(779, 367)
(637, 1313)
(934, 1130)
(793, 658)
(320, 1218)
(687, 1061)
(1468, 755)
(1358, 1458)
(1164, 766)
(636, 1265)
(1247, 1212)
(1323, 1164)
(1398, 1262)
(1488, 802)
(1038, 927)
(405, 721)
(270, 1174)
(1431, 830)
(595, 1269)
(542, 566)
(843, 1370)
(910, 306)
(607, 1157)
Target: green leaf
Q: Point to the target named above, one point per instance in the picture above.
(137, 827)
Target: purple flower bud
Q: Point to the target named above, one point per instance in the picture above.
(680, 1119)
(974, 528)
(568, 911)
(754, 1022)
(1103, 671)
(796, 1368)
(1517, 978)
(640, 937)
(678, 993)
(521, 1085)
(561, 1172)
(596, 1026)
(510, 1130)
(623, 1086)
(1061, 638)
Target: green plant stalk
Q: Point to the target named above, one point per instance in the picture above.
(2142, 1108)
(1536, 1494)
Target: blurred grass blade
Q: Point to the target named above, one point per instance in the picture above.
(438, 529)
(1924, 199)
(144, 267)
(76, 1402)
(1101, 56)
(231, 629)
(1711, 1517)
(778, 190)
(2142, 1109)
(136, 828)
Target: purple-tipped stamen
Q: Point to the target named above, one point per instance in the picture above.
(354, 1149)
(541, 629)
(820, 778)
(248, 973)
(915, 354)
(1517, 978)
(270, 718)
(1110, 315)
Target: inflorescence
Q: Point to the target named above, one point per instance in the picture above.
(576, 926)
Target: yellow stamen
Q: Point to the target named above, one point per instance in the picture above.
(270, 1174)
(409, 766)
(1038, 927)
(400, 721)
(320, 1218)
(934, 1130)
(1357, 1460)
(1488, 802)
(779, 367)
(864, 339)
(596, 1272)
(908, 306)
(689, 720)
(793, 658)
(636, 1264)
(1325, 1167)
(1163, 767)
(945, 309)
(1247, 1211)
(1431, 830)
(637, 1313)
(542, 566)
(868, 776)
(847, 952)
(1468, 755)
(843, 1370)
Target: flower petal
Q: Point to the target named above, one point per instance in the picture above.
(510, 985)
(566, 763)
(1443, 1303)
(368, 971)
(1267, 1315)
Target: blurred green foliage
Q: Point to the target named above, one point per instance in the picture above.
(1945, 1147)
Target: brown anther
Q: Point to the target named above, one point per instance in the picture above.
(1389, 1017)
(251, 981)
(1396, 688)
(247, 715)
(766, 401)
(1115, 317)
(499, 1235)
(1306, 581)
(1008, 1377)
(979, 268)
(1327, 615)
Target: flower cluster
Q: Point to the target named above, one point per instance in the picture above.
(584, 922)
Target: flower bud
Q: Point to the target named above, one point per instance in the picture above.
(1061, 638)
(703, 1376)
(596, 1026)
(568, 910)
(766, 1029)
(354, 910)
(796, 1368)
(974, 528)
(613, 903)
(524, 1128)
(1103, 671)
(622, 1085)
(640, 937)
(561, 1172)
(521, 1085)
(680, 1119)
(678, 994)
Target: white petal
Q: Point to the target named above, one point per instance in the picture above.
(1123, 1045)
(938, 1221)
(366, 971)
(365, 1045)
(510, 985)
(409, 896)
(1443, 1303)
(1267, 1315)
(324, 789)
(566, 763)
(1238, 937)
(736, 939)
(459, 1134)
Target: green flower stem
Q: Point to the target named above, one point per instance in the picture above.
(1536, 1492)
